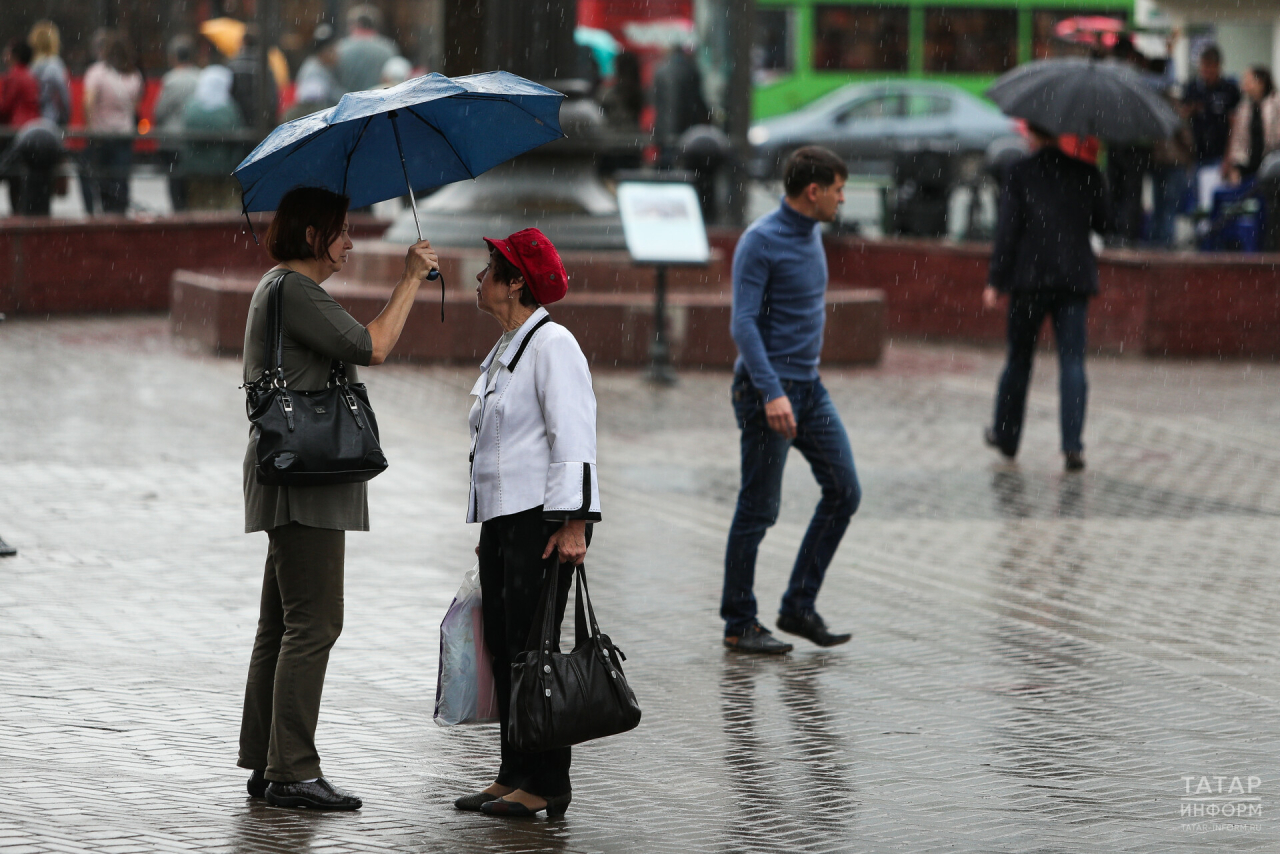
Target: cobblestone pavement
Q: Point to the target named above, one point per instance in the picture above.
(1039, 660)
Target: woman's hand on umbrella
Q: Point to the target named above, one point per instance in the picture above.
(990, 297)
(420, 260)
(570, 541)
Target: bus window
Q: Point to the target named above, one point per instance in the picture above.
(1044, 45)
(773, 54)
(970, 40)
(860, 38)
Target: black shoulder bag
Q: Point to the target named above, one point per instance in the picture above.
(558, 700)
(309, 438)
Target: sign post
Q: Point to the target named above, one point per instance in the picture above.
(662, 223)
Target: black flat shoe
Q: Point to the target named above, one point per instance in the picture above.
(316, 795)
(473, 803)
(757, 639)
(7, 550)
(555, 807)
(811, 627)
(257, 784)
(989, 436)
(1074, 461)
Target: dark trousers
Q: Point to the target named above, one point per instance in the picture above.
(299, 620)
(111, 162)
(821, 438)
(1127, 165)
(1027, 310)
(511, 575)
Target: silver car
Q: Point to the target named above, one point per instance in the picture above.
(867, 123)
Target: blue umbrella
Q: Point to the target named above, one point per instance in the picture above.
(437, 129)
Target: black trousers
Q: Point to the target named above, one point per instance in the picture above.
(511, 575)
(1027, 311)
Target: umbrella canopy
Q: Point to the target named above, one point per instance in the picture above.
(604, 47)
(1085, 97)
(424, 132)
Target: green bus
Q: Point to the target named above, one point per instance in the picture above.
(806, 48)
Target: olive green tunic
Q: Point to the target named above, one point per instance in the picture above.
(316, 331)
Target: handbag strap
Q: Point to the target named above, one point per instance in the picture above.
(581, 625)
(274, 345)
(273, 372)
(542, 630)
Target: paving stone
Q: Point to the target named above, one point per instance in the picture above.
(1039, 659)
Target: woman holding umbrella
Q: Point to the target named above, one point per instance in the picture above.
(536, 498)
(301, 609)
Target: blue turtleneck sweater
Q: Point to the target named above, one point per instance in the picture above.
(779, 299)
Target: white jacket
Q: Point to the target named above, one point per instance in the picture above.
(533, 428)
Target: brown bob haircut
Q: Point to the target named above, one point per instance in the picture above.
(300, 209)
(812, 165)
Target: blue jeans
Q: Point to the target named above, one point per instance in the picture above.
(1027, 310)
(1171, 184)
(820, 437)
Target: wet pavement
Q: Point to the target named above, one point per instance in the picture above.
(1041, 662)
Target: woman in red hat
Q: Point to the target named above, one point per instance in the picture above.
(537, 497)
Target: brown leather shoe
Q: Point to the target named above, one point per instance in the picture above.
(758, 640)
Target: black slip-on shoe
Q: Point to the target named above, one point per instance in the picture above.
(7, 550)
(1074, 461)
(316, 795)
(811, 627)
(989, 436)
(473, 802)
(757, 639)
(257, 784)
(555, 807)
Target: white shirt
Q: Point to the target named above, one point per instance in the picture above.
(533, 428)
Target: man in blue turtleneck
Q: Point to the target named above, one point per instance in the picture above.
(779, 306)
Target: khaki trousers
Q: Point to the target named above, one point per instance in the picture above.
(299, 620)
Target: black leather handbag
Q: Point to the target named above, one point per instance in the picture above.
(309, 438)
(562, 699)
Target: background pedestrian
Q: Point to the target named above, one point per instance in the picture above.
(176, 89)
(1255, 127)
(363, 52)
(206, 165)
(50, 72)
(246, 70)
(779, 311)
(678, 101)
(19, 91)
(112, 89)
(317, 82)
(1041, 258)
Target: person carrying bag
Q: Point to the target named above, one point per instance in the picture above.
(306, 478)
(536, 499)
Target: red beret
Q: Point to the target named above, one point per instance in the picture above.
(538, 261)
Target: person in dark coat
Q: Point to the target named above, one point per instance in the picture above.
(677, 100)
(1043, 261)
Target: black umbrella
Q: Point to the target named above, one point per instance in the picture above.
(1085, 97)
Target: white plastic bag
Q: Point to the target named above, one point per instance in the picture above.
(465, 693)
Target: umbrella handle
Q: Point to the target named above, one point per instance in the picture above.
(413, 203)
